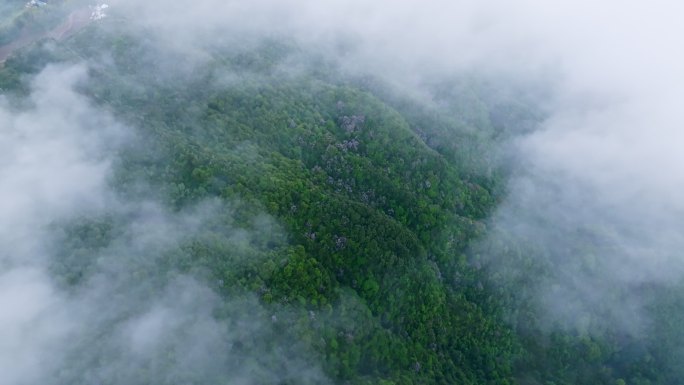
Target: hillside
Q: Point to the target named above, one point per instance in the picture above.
(338, 219)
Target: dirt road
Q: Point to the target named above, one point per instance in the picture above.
(74, 23)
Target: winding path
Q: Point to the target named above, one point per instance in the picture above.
(74, 23)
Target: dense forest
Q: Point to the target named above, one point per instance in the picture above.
(348, 217)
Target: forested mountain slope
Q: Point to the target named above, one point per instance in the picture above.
(345, 216)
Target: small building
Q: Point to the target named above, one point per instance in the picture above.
(36, 3)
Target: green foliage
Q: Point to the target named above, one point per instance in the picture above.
(377, 198)
(20, 23)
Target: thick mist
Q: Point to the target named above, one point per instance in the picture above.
(605, 161)
(118, 311)
(594, 191)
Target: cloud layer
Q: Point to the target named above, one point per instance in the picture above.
(606, 160)
(117, 311)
